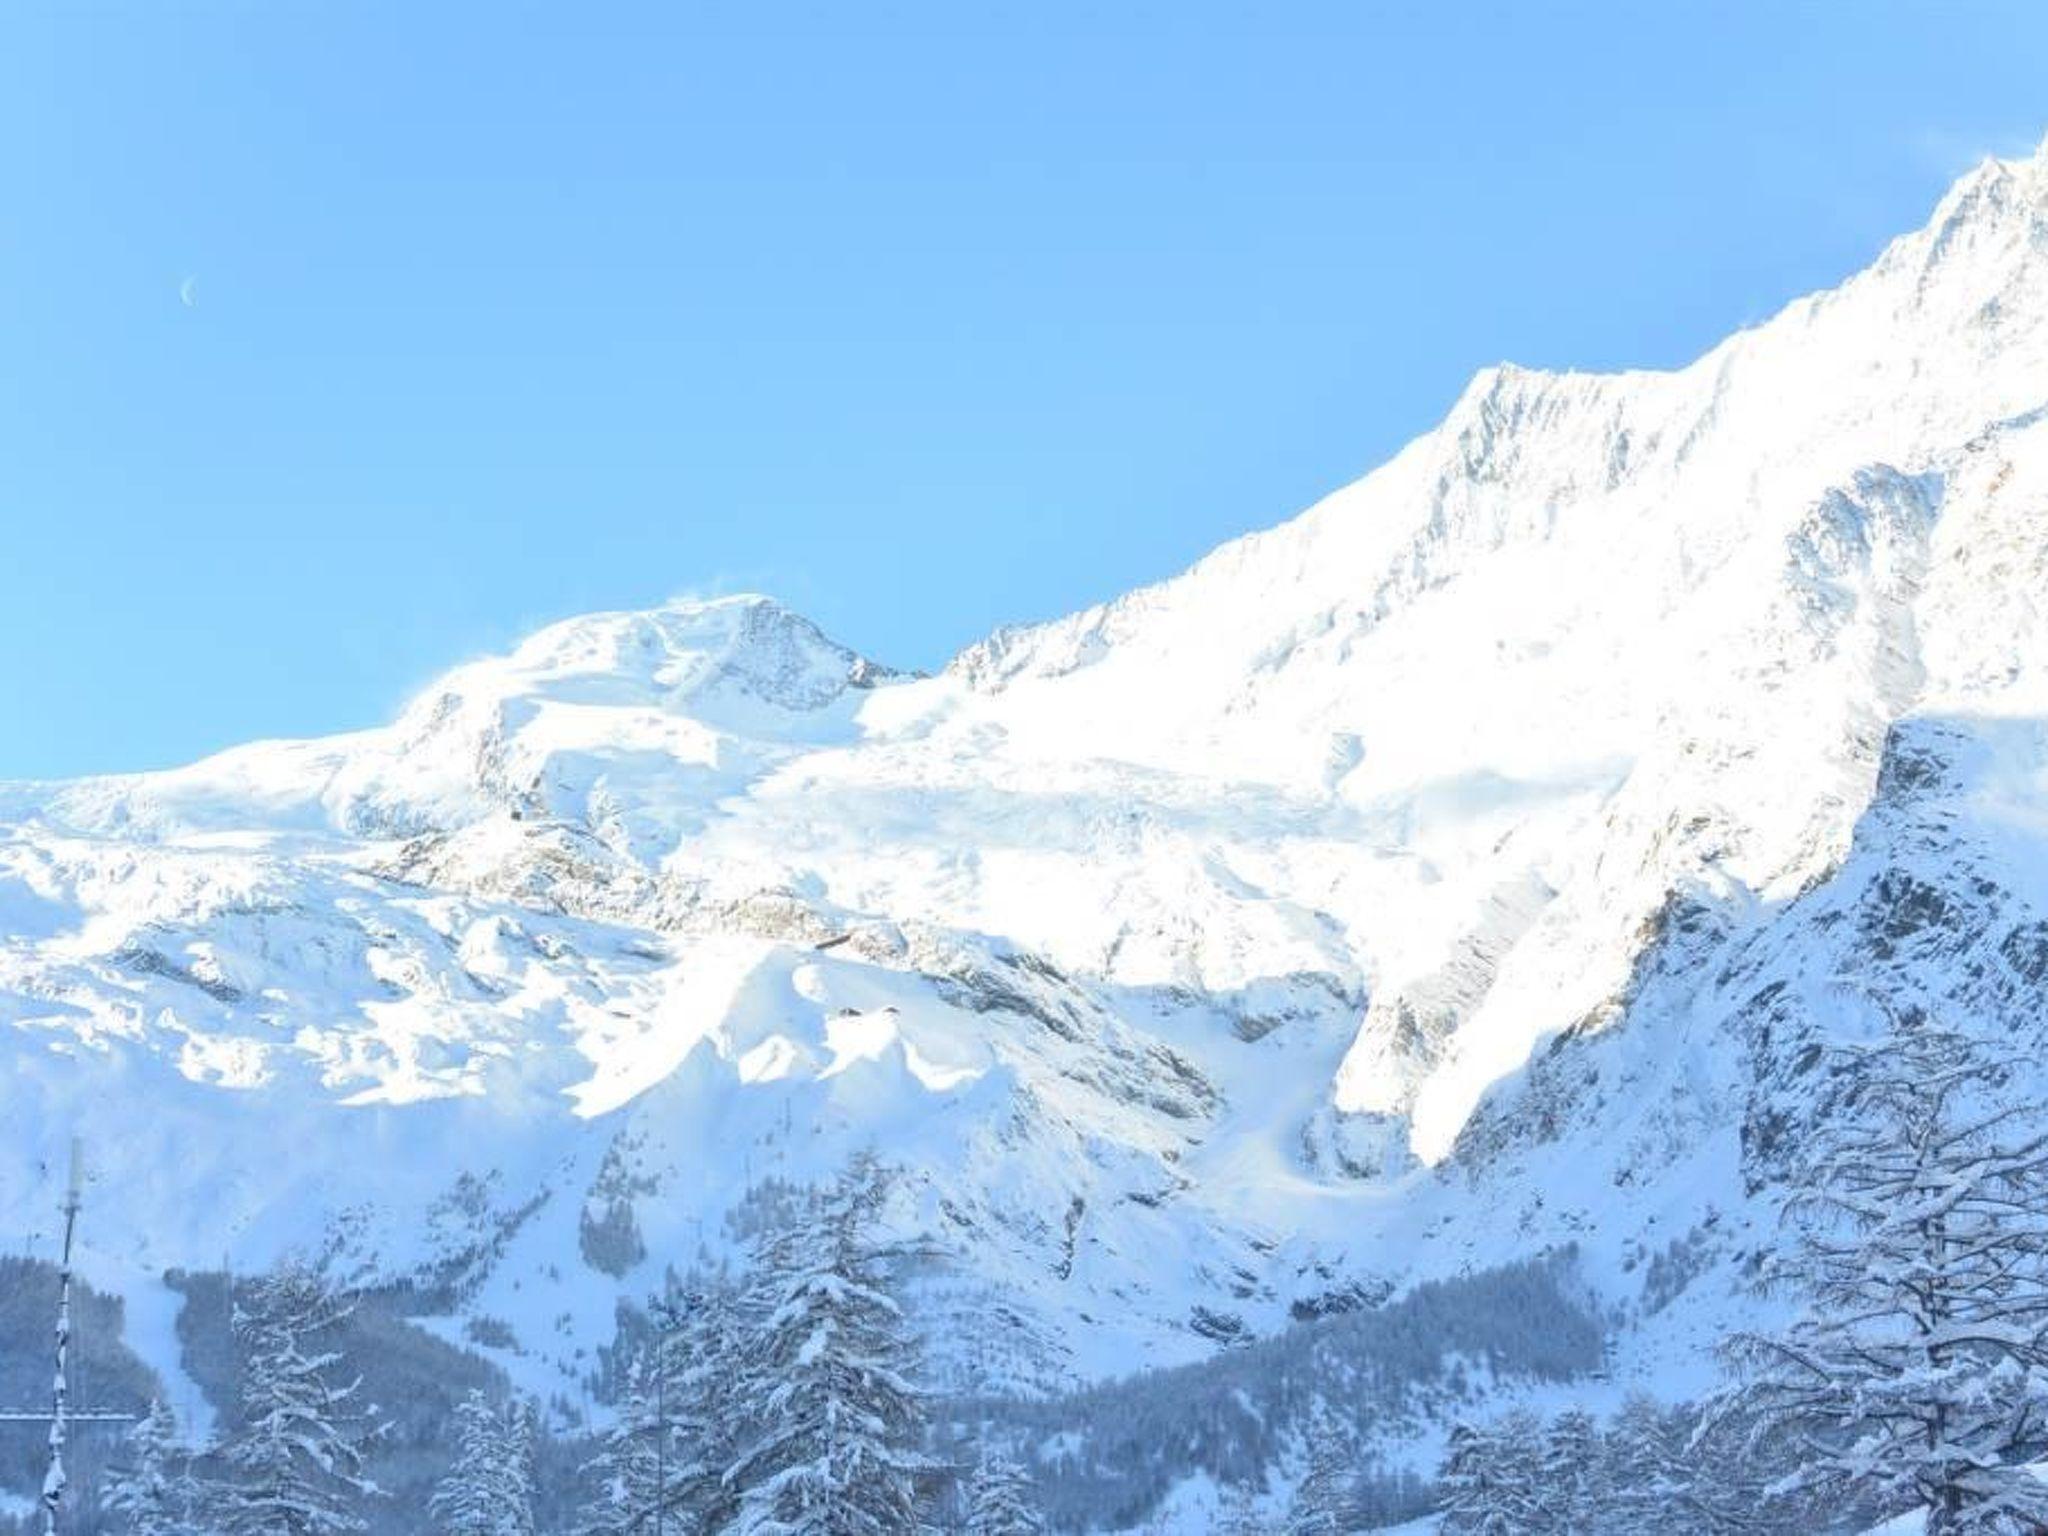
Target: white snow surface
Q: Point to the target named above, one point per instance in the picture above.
(1446, 874)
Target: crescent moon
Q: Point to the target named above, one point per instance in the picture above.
(188, 293)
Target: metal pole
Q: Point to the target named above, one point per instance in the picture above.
(55, 1479)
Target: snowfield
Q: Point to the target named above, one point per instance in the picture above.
(1451, 874)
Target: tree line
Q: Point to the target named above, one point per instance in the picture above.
(791, 1403)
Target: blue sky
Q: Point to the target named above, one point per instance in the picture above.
(924, 318)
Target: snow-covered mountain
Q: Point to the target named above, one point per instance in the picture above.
(1454, 872)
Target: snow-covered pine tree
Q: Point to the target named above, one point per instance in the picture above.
(663, 1465)
(624, 1476)
(701, 1355)
(524, 1425)
(1467, 1494)
(832, 1380)
(295, 1465)
(152, 1491)
(1568, 1473)
(1000, 1501)
(489, 1489)
(1323, 1503)
(1645, 1489)
(1657, 1476)
(1486, 1485)
(1735, 1478)
(1919, 1374)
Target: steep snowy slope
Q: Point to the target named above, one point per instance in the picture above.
(1489, 839)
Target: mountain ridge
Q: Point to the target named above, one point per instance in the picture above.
(1396, 891)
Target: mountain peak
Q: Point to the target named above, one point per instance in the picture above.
(640, 708)
(685, 652)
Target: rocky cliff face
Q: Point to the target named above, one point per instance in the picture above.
(1461, 869)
